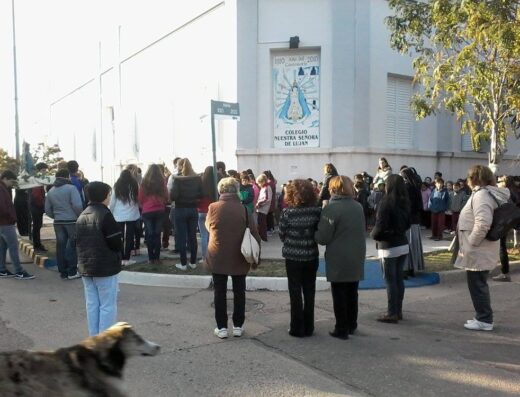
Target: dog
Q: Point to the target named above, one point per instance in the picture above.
(93, 368)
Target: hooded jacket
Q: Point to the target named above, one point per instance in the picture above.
(475, 252)
(63, 202)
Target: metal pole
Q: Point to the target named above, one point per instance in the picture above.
(16, 125)
(214, 148)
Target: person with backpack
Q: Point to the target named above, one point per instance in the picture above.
(478, 255)
(505, 181)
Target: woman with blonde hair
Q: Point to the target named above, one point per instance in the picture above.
(477, 255)
(342, 230)
(186, 192)
(152, 199)
(226, 222)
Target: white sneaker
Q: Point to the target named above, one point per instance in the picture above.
(73, 277)
(182, 267)
(221, 333)
(238, 331)
(192, 265)
(124, 262)
(478, 326)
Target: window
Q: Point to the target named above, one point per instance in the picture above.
(399, 117)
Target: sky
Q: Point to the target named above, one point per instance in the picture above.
(48, 36)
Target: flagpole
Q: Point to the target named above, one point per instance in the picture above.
(16, 125)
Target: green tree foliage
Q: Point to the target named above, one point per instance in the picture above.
(50, 155)
(467, 61)
(7, 162)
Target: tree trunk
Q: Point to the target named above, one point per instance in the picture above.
(495, 151)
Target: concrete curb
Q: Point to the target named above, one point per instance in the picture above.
(187, 281)
(201, 282)
(38, 259)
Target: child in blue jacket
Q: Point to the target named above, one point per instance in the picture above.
(438, 204)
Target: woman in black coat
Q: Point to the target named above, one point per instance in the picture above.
(392, 222)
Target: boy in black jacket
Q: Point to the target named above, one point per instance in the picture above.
(99, 244)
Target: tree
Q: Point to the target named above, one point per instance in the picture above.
(50, 155)
(466, 61)
(7, 162)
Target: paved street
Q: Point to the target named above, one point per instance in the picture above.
(428, 354)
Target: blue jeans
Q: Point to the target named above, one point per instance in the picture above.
(101, 302)
(394, 277)
(9, 241)
(186, 228)
(204, 235)
(153, 222)
(66, 249)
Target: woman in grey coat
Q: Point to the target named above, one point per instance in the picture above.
(342, 230)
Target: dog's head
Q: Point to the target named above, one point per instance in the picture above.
(113, 346)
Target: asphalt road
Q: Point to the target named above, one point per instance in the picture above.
(427, 354)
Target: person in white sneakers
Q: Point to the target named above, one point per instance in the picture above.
(226, 223)
(477, 255)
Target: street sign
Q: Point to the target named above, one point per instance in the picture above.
(225, 110)
(220, 110)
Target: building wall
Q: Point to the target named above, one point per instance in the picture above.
(356, 62)
(149, 101)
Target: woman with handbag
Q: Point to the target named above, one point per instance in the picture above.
(226, 224)
(298, 224)
(476, 254)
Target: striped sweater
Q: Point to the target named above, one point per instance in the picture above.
(297, 227)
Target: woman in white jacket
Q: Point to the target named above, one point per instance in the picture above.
(125, 210)
(477, 255)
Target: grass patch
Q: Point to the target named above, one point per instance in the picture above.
(438, 261)
(267, 268)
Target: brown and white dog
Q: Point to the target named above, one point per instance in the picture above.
(92, 368)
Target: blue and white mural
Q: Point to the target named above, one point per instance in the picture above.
(296, 80)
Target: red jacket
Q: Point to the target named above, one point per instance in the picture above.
(38, 197)
(7, 211)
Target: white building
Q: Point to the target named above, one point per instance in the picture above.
(341, 97)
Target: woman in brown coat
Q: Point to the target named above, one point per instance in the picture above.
(226, 223)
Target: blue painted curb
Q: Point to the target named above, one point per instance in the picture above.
(373, 278)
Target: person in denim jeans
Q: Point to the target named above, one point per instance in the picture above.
(393, 219)
(63, 204)
(8, 238)
(152, 198)
(99, 258)
(186, 192)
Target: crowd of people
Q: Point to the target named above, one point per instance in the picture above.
(99, 229)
